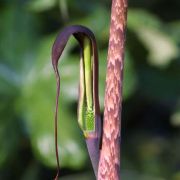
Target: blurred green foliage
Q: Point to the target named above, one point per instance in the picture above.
(151, 89)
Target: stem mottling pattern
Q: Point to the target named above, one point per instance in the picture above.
(109, 165)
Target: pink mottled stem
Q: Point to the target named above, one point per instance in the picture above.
(109, 165)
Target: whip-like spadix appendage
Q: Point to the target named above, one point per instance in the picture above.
(88, 103)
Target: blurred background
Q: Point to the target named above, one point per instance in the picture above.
(151, 94)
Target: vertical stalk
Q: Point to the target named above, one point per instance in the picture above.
(109, 164)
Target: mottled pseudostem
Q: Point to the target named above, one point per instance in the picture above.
(109, 165)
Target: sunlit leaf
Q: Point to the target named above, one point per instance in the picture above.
(162, 50)
(41, 5)
(138, 18)
(149, 29)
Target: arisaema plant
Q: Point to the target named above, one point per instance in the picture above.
(102, 137)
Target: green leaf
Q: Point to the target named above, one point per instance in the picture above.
(41, 5)
(138, 18)
(161, 47)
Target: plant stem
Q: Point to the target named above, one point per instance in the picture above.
(109, 165)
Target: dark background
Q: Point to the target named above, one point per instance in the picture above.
(151, 94)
